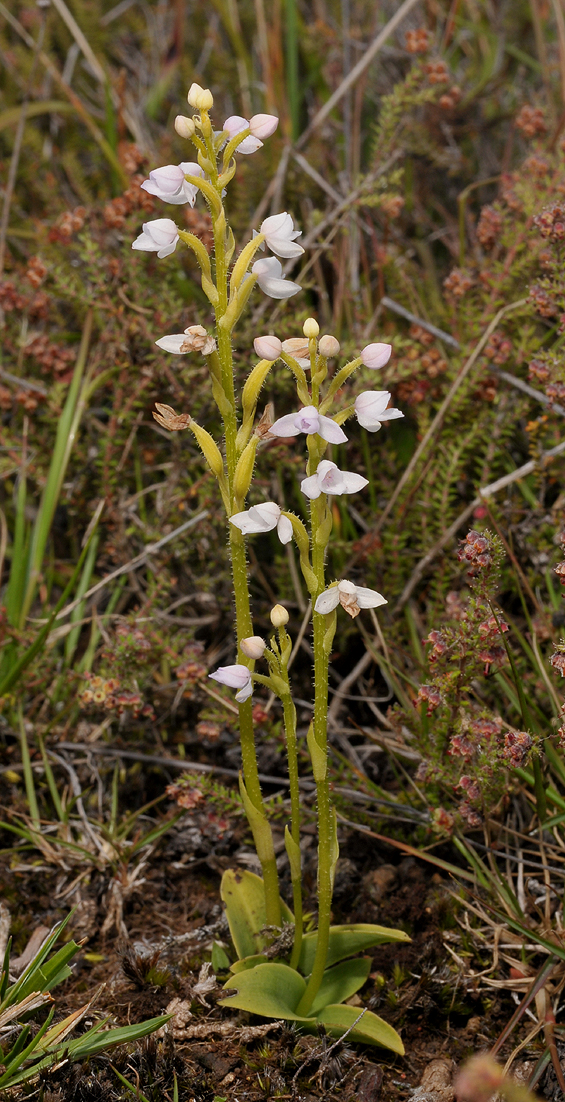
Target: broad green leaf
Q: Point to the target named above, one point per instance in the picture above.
(341, 982)
(370, 1030)
(272, 990)
(247, 962)
(345, 941)
(244, 896)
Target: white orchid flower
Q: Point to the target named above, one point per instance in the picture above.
(235, 677)
(271, 279)
(168, 183)
(351, 597)
(194, 339)
(376, 355)
(299, 349)
(330, 480)
(280, 235)
(159, 236)
(371, 409)
(308, 420)
(263, 518)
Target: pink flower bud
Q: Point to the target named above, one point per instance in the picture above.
(267, 348)
(376, 355)
(329, 346)
(262, 126)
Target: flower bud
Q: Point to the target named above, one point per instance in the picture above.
(310, 328)
(262, 126)
(267, 348)
(184, 126)
(376, 355)
(253, 646)
(329, 346)
(279, 616)
(201, 98)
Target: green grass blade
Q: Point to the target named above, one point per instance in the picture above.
(66, 434)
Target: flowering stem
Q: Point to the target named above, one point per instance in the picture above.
(244, 625)
(320, 530)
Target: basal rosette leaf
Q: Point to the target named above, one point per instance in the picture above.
(271, 990)
(341, 982)
(370, 1030)
(244, 896)
(345, 941)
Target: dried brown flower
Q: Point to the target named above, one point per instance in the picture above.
(170, 420)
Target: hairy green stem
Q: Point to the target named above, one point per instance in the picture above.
(244, 626)
(289, 712)
(320, 731)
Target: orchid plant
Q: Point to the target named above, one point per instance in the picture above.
(281, 971)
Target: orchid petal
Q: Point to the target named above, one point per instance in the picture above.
(285, 426)
(327, 601)
(173, 343)
(331, 432)
(311, 487)
(369, 598)
(353, 482)
(284, 529)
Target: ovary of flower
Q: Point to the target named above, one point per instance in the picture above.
(194, 339)
(168, 183)
(371, 409)
(235, 677)
(351, 597)
(280, 235)
(330, 480)
(268, 347)
(263, 518)
(159, 236)
(261, 126)
(308, 420)
(271, 280)
(376, 355)
(299, 349)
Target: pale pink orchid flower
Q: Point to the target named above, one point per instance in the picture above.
(263, 518)
(159, 236)
(280, 235)
(308, 420)
(371, 409)
(235, 677)
(351, 597)
(168, 183)
(271, 279)
(330, 480)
